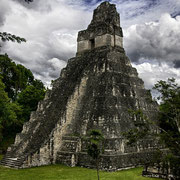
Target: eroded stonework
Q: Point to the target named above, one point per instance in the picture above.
(95, 91)
(104, 29)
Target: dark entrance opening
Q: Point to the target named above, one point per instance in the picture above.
(92, 41)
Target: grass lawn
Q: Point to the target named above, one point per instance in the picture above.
(60, 172)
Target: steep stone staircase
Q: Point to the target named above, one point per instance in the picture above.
(12, 162)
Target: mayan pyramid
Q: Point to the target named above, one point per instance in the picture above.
(94, 91)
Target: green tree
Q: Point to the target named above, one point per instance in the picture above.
(29, 99)
(169, 114)
(8, 71)
(15, 77)
(8, 113)
(21, 86)
(169, 121)
(95, 147)
(21, 92)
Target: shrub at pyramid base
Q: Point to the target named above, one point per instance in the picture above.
(95, 91)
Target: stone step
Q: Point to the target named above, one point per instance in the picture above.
(71, 138)
(13, 158)
(11, 165)
(7, 156)
(66, 158)
(12, 162)
(65, 152)
(70, 141)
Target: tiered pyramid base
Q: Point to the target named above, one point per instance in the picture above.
(74, 153)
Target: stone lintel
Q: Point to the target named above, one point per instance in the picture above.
(99, 30)
(99, 41)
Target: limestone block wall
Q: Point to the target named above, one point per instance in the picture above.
(83, 45)
(116, 162)
(118, 41)
(104, 40)
(70, 115)
(47, 154)
(99, 41)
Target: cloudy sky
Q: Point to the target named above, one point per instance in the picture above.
(151, 34)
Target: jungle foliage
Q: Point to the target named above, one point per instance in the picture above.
(20, 93)
(95, 146)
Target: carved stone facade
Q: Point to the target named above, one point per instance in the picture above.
(104, 29)
(95, 91)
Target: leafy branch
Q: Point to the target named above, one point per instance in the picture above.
(28, 1)
(10, 37)
(95, 147)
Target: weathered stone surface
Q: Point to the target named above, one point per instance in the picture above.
(104, 29)
(95, 91)
(161, 171)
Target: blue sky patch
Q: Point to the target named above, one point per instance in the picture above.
(92, 2)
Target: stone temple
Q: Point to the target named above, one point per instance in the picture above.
(94, 91)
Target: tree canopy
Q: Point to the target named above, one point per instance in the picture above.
(169, 114)
(15, 77)
(20, 93)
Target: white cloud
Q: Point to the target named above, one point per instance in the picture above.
(154, 40)
(141, 11)
(53, 69)
(5, 9)
(151, 73)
